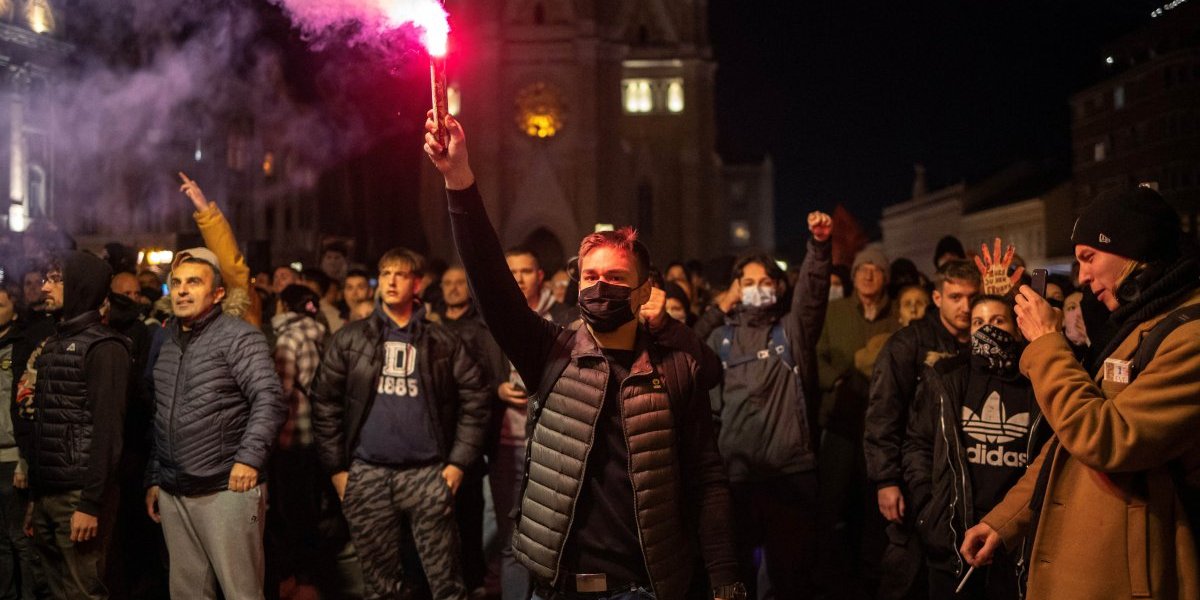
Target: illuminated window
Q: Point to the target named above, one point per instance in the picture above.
(638, 95)
(675, 96)
(39, 16)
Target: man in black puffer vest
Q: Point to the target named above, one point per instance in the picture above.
(78, 412)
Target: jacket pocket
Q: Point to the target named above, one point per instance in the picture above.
(1137, 557)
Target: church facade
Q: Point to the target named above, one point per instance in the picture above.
(585, 114)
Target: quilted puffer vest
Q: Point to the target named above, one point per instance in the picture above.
(559, 449)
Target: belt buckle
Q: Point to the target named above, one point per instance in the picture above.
(590, 583)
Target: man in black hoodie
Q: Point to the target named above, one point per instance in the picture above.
(78, 406)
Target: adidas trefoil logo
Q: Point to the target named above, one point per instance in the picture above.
(993, 425)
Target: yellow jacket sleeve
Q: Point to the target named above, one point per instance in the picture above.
(218, 237)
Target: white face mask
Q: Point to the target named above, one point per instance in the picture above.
(758, 297)
(836, 292)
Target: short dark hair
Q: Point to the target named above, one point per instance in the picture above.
(957, 270)
(625, 238)
(358, 273)
(218, 281)
(524, 251)
(767, 263)
(413, 260)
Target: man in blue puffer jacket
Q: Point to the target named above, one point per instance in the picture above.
(218, 410)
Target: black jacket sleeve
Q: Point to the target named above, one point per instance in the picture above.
(678, 336)
(918, 447)
(710, 321)
(474, 394)
(810, 299)
(327, 395)
(525, 338)
(107, 366)
(706, 486)
(893, 385)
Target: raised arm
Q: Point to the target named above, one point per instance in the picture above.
(811, 296)
(218, 237)
(526, 338)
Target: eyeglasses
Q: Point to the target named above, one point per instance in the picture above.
(55, 278)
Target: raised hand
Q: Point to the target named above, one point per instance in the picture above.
(821, 225)
(194, 193)
(994, 270)
(452, 161)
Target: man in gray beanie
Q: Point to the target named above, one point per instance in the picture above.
(1124, 463)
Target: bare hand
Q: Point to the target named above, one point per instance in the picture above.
(20, 480)
(654, 311)
(242, 478)
(1035, 316)
(152, 504)
(512, 395)
(980, 544)
(891, 503)
(83, 527)
(994, 269)
(731, 297)
(27, 526)
(821, 225)
(452, 162)
(194, 193)
(453, 476)
(339, 483)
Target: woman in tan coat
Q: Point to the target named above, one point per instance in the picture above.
(1103, 501)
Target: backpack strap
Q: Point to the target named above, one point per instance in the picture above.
(1148, 347)
(777, 345)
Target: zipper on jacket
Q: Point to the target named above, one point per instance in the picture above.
(954, 499)
(174, 402)
(637, 517)
(586, 456)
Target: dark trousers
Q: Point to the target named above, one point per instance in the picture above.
(997, 581)
(20, 570)
(73, 570)
(377, 503)
(780, 516)
(853, 536)
(468, 511)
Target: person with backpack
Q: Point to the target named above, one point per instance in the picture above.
(1111, 499)
(765, 407)
(625, 493)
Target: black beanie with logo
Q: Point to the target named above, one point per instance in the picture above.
(1137, 224)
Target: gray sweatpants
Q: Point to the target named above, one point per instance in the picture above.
(215, 539)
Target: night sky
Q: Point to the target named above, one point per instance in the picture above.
(846, 96)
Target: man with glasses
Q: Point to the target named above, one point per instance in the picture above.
(77, 408)
(400, 410)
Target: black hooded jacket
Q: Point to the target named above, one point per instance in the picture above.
(80, 391)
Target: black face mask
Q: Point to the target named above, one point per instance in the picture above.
(996, 348)
(605, 306)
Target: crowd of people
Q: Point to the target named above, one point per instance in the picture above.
(485, 429)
